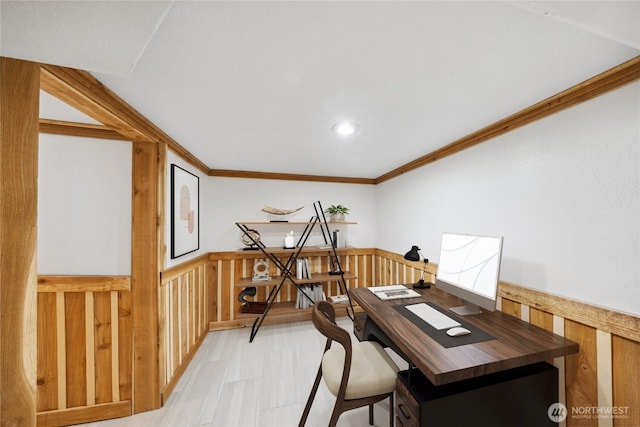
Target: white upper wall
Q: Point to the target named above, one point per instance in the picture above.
(172, 158)
(84, 206)
(231, 200)
(564, 192)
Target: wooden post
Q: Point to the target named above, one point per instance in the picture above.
(145, 278)
(19, 111)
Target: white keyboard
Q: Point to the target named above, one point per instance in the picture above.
(432, 316)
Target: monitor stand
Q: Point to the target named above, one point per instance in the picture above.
(466, 310)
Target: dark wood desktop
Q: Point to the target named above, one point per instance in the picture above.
(517, 343)
(500, 381)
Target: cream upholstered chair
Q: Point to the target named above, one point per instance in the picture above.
(358, 374)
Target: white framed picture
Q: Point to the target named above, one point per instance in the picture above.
(185, 212)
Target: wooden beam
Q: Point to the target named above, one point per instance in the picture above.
(83, 283)
(59, 127)
(19, 108)
(85, 93)
(145, 278)
(288, 176)
(602, 83)
(84, 414)
(621, 324)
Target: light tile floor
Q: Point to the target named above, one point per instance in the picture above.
(233, 383)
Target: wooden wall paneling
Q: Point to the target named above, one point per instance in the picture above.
(61, 354)
(581, 373)
(183, 318)
(371, 270)
(161, 204)
(374, 269)
(541, 318)
(325, 266)
(76, 357)
(224, 290)
(206, 279)
(559, 363)
(625, 358)
(115, 347)
(349, 265)
(597, 317)
(185, 314)
(19, 111)
(47, 351)
(103, 347)
(193, 314)
(241, 269)
(174, 324)
(361, 270)
(355, 266)
(196, 298)
(381, 276)
(125, 347)
(47, 283)
(604, 376)
(511, 308)
(405, 275)
(182, 306)
(202, 300)
(145, 278)
(70, 416)
(163, 335)
(215, 308)
(89, 349)
(385, 278)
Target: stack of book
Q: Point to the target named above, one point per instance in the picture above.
(314, 293)
(303, 268)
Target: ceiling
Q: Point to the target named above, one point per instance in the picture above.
(256, 86)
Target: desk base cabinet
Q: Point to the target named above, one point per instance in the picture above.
(517, 397)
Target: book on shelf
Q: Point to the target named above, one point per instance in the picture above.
(338, 299)
(303, 268)
(308, 295)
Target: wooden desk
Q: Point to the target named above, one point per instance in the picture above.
(517, 343)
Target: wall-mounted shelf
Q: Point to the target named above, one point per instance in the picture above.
(287, 310)
(307, 250)
(293, 223)
(246, 282)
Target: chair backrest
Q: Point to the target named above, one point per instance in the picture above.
(324, 319)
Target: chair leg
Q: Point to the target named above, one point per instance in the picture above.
(391, 409)
(312, 396)
(371, 414)
(337, 411)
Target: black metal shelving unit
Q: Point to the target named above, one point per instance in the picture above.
(317, 220)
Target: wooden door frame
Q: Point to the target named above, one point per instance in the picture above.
(19, 113)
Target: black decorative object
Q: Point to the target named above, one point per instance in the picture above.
(414, 254)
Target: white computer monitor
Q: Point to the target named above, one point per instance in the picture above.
(469, 268)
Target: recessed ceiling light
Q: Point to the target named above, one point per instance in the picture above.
(345, 128)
